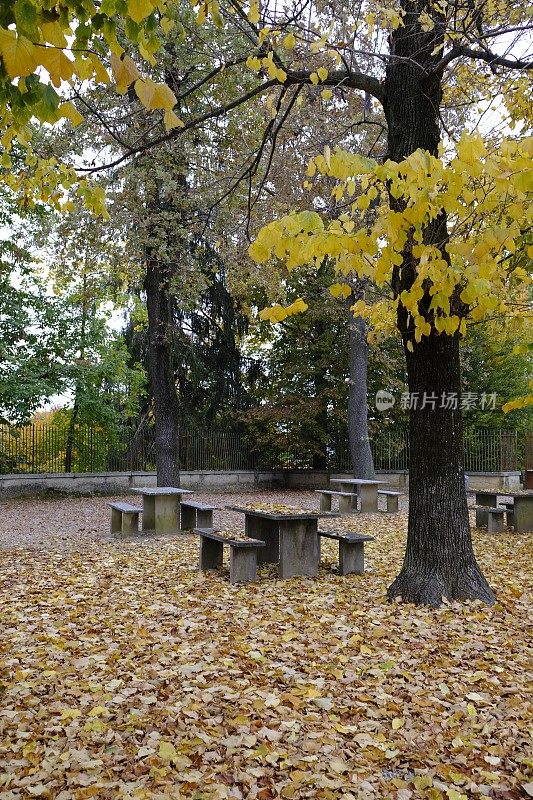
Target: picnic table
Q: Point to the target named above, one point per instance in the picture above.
(161, 508)
(291, 539)
(366, 489)
(522, 511)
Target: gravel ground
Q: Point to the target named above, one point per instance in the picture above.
(71, 523)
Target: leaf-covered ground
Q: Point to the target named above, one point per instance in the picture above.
(125, 673)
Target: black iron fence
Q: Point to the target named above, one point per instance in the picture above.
(42, 448)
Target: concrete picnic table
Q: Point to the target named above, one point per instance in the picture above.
(291, 540)
(523, 507)
(367, 490)
(161, 508)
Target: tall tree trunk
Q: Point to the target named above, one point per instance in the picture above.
(69, 444)
(157, 284)
(439, 559)
(361, 455)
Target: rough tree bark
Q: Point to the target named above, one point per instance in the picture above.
(439, 559)
(361, 455)
(157, 284)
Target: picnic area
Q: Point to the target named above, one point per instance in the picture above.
(128, 673)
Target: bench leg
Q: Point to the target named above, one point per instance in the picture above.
(481, 518)
(351, 558)
(130, 522)
(204, 519)
(392, 504)
(210, 554)
(510, 519)
(188, 519)
(345, 505)
(243, 565)
(116, 521)
(495, 523)
(325, 502)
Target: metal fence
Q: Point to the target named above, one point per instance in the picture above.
(41, 448)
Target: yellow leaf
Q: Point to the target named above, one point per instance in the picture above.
(70, 111)
(326, 94)
(58, 65)
(167, 751)
(170, 121)
(139, 9)
(53, 33)
(155, 95)
(313, 78)
(124, 72)
(97, 711)
(100, 72)
(18, 54)
(253, 14)
(167, 24)
(322, 73)
(252, 62)
(289, 41)
(397, 723)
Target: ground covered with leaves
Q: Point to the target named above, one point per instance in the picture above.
(126, 673)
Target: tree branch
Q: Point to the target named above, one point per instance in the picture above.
(461, 51)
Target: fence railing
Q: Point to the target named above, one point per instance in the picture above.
(42, 448)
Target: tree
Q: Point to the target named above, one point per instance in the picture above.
(425, 47)
(436, 281)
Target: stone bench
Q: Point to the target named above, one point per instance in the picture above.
(243, 554)
(392, 499)
(345, 500)
(196, 515)
(509, 510)
(351, 550)
(492, 518)
(124, 518)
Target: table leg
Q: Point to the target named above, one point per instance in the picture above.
(482, 518)
(369, 498)
(353, 491)
(148, 521)
(523, 514)
(346, 504)
(299, 548)
(267, 531)
(166, 514)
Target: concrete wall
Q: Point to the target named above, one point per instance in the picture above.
(207, 481)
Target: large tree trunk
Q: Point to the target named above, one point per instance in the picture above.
(361, 455)
(158, 301)
(439, 559)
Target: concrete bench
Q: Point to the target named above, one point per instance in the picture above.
(492, 517)
(351, 550)
(392, 499)
(345, 500)
(124, 518)
(509, 511)
(243, 554)
(196, 515)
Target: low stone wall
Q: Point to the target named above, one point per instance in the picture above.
(207, 481)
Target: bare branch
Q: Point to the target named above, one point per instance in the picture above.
(460, 51)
